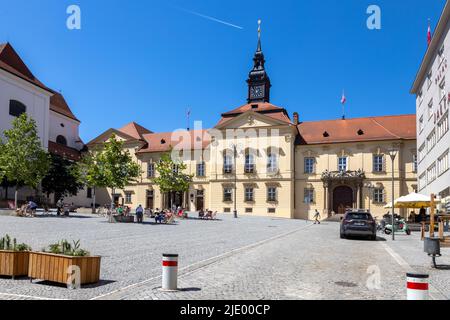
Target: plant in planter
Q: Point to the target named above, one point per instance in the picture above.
(14, 257)
(65, 262)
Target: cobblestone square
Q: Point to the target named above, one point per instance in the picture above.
(248, 258)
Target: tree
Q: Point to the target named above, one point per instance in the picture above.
(62, 179)
(171, 178)
(23, 161)
(111, 167)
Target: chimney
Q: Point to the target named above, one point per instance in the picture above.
(296, 119)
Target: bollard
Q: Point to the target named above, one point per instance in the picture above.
(417, 286)
(170, 272)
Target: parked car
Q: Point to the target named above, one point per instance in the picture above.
(358, 223)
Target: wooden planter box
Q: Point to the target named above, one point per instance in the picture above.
(124, 219)
(14, 264)
(54, 267)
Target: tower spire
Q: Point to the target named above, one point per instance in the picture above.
(259, 36)
(258, 80)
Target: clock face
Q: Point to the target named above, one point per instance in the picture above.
(257, 92)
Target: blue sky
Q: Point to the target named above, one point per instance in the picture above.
(148, 61)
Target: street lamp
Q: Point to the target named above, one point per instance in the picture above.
(393, 154)
(369, 187)
(235, 212)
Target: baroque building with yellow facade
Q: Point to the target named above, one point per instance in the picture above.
(260, 161)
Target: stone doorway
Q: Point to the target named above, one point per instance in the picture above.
(342, 199)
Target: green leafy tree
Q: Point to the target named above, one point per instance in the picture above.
(23, 161)
(111, 167)
(62, 179)
(171, 177)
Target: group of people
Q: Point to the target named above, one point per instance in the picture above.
(208, 214)
(27, 210)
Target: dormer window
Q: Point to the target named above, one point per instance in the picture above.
(326, 134)
(360, 132)
(254, 106)
(163, 141)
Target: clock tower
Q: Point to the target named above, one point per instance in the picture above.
(258, 81)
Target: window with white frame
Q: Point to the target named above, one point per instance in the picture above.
(442, 164)
(249, 163)
(227, 164)
(431, 173)
(441, 54)
(272, 163)
(430, 109)
(309, 165)
(429, 79)
(422, 181)
(378, 195)
(151, 170)
(420, 97)
(415, 163)
(378, 163)
(442, 127)
(342, 164)
(201, 169)
(128, 197)
(249, 194)
(442, 93)
(227, 194)
(422, 152)
(271, 194)
(431, 140)
(309, 196)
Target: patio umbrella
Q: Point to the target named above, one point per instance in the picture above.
(412, 201)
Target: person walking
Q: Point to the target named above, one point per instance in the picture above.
(140, 214)
(317, 217)
(59, 207)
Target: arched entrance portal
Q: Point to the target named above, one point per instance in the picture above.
(342, 199)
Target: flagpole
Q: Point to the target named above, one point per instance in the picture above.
(188, 115)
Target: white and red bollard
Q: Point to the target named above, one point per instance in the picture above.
(417, 286)
(170, 272)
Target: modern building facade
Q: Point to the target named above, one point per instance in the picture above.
(261, 162)
(21, 92)
(431, 88)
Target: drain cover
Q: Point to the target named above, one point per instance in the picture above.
(346, 284)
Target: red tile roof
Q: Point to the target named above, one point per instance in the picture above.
(163, 142)
(11, 62)
(59, 105)
(64, 151)
(358, 130)
(135, 130)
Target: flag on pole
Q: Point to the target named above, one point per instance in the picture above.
(343, 99)
(429, 36)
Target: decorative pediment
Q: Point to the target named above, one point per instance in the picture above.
(343, 175)
(250, 119)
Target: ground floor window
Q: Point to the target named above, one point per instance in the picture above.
(248, 210)
(227, 194)
(249, 194)
(271, 194)
(128, 198)
(309, 196)
(378, 195)
(89, 193)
